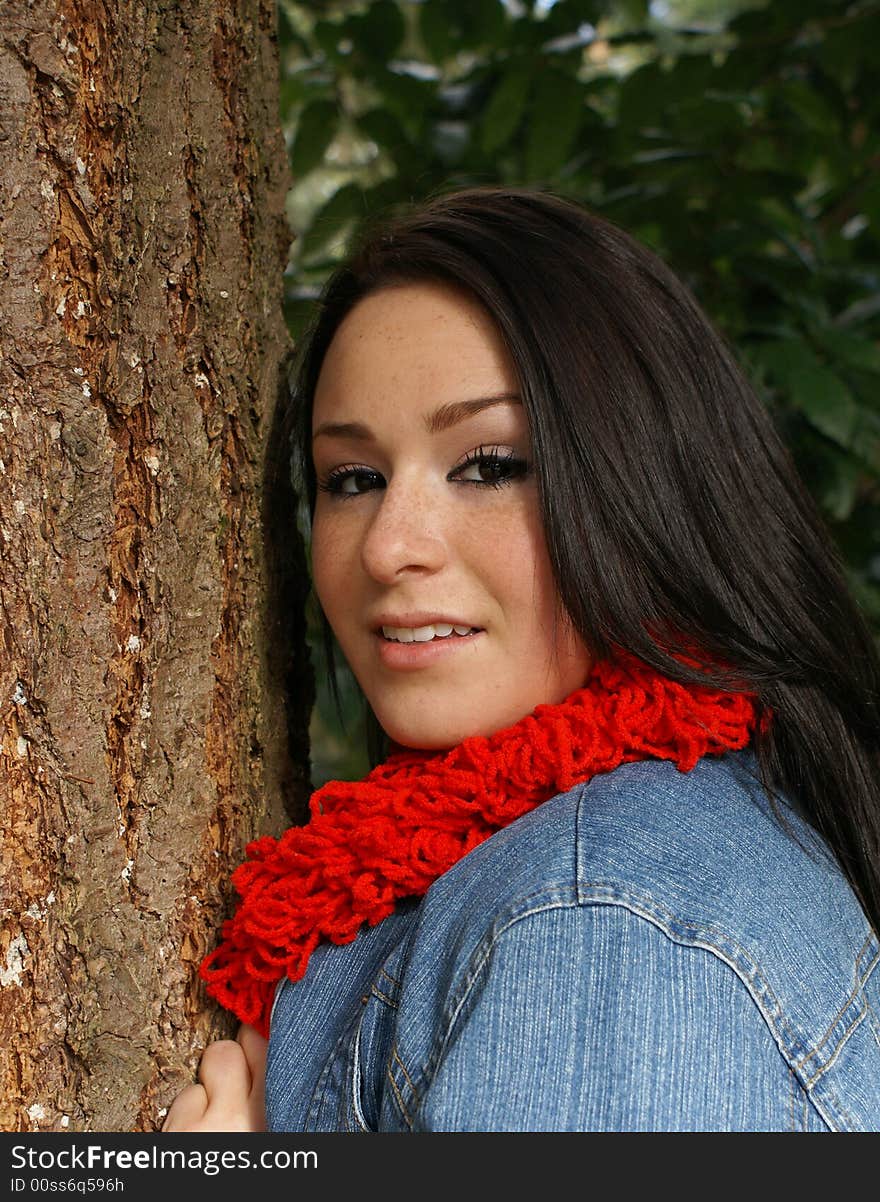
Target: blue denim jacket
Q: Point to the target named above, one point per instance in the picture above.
(650, 951)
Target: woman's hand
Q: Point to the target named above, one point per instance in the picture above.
(230, 1095)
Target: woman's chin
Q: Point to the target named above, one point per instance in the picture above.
(412, 741)
(433, 736)
(426, 737)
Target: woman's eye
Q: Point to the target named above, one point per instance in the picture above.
(491, 467)
(350, 481)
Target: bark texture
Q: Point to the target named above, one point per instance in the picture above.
(143, 735)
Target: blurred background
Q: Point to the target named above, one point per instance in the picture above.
(737, 138)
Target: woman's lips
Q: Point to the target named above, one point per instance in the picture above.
(411, 656)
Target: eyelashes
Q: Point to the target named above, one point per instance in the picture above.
(500, 464)
(484, 467)
(350, 480)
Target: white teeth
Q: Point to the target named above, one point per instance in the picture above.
(423, 634)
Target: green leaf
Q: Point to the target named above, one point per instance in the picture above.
(447, 27)
(294, 91)
(851, 350)
(287, 35)
(711, 121)
(328, 35)
(633, 13)
(344, 206)
(506, 106)
(438, 38)
(640, 101)
(383, 128)
(484, 23)
(556, 115)
(314, 132)
(378, 32)
(810, 108)
(406, 97)
(689, 77)
(567, 16)
(784, 358)
(826, 402)
(840, 491)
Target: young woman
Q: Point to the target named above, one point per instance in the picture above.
(620, 867)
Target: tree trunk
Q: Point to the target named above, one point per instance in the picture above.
(144, 735)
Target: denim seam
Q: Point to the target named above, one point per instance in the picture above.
(321, 1087)
(720, 943)
(406, 1076)
(799, 1095)
(856, 995)
(838, 1047)
(322, 1083)
(385, 973)
(790, 1043)
(401, 1104)
(474, 968)
(784, 1035)
(872, 1022)
(383, 997)
(355, 1080)
(794, 1090)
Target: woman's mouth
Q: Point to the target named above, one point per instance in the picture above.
(426, 634)
(409, 648)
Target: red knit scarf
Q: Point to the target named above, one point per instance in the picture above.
(370, 843)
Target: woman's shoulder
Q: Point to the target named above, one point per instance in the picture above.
(691, 881)
(699, 855)
(702, 840)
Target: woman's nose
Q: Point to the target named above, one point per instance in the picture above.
(405, 534)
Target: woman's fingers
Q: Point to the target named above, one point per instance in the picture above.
(224, 1072)
(187, 1110)
(255, 1046)
(229, 1096)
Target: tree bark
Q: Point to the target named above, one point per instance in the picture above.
(144, 730)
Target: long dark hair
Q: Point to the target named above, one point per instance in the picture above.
(673, 513)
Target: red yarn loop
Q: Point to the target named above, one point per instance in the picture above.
(370, 843)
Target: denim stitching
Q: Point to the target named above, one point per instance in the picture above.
(377, 992)
(792, 1081)
(415, 1093)
(810, 1081)
(843, 1119)
(873, 1022)
(321, 1088)
(688, 935)
(856, 994)
(397, 1094)
(385, 973)
(322, 1083)
(726, 947)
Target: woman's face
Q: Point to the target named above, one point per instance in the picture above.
(427, 547)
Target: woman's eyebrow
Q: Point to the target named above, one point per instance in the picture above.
(457, 411)
(441, 419)
(355, 431)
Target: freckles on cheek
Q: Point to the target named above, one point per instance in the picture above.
(324, 570)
